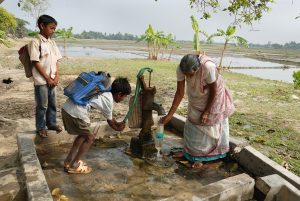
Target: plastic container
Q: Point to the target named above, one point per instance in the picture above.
(158, 138)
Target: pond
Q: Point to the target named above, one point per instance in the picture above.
(272, 71)
(118, 176)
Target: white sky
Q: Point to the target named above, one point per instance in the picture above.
(169, 16)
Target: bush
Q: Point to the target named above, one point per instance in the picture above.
(296, 76)
(7, 20)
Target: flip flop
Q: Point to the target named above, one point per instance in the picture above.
(67, 165)
(42, 133)
(57, 128)
(81, 169)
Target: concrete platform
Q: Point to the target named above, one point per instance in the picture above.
(236, 188)
(12, 184)
(274, 187)
(240, 187)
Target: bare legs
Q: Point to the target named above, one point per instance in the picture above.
(79, 148)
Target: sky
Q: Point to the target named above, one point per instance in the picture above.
(169, 16)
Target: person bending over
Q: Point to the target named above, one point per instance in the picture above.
(76, 122)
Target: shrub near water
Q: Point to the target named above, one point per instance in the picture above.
(296, 76)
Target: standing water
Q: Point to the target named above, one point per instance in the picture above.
(118, 176)
(228, 61)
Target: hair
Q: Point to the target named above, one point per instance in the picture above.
(121, 85)
(45, 20)
(189, 63)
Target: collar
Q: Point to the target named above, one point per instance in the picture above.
(43, 38)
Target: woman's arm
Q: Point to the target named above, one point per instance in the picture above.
(212, 88)
(176, 101)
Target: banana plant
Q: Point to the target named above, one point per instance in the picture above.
(65, 35)
(158, 42)
(196, 29)
(169, 42)
(155, 40)
(229, 35)
(149, 37)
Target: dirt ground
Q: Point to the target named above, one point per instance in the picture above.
(17, 111)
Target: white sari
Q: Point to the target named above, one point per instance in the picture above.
(211, 139)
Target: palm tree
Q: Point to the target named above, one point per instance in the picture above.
(229, 36)
(196, 29)
(65, 34)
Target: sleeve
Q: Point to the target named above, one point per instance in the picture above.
(57, 52)
(104, 103)
(34, 50)
(180, 75)
(210, 72)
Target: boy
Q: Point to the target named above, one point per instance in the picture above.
(44, 55)
(76, 122)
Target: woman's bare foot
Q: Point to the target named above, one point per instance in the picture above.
(197, 165)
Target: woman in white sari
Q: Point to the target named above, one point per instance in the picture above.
(206, 130)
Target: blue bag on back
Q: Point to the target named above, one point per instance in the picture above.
(88, 85)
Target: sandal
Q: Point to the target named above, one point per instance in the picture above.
(57, 128)
(42, 133)
(67, 165)
(81, 169)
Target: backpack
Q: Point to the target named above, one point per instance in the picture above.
(88, 85)
(25, 59)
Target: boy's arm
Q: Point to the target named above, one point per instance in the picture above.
(118, 126)
(41, 70)
(56, 78)
(35, 53)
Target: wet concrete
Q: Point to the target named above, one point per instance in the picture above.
(118, 176)
(12, 185)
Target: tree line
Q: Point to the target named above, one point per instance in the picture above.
(108, 36)
(290, 45)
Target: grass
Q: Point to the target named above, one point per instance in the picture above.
(266, 114)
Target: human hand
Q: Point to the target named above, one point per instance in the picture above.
(142, 78)
(55, 80)
(204, 117)
(50, 82)
(120, 126)
(164, 120)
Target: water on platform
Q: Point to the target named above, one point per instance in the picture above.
(118, 176)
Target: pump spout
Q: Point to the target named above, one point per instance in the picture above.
(158, 108)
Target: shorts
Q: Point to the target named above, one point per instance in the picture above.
(75, 126)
